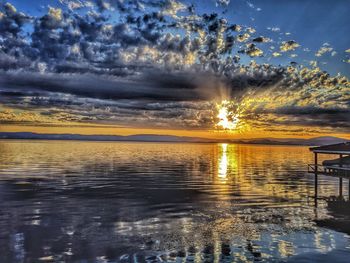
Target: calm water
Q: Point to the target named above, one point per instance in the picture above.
(67, 201)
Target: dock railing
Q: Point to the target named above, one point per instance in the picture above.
(328, 170)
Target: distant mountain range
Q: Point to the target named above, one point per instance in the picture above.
(80, 137)
(317, 141)
(170, 138)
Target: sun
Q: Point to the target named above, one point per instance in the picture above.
(227, 120)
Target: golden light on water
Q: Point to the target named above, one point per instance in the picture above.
(227, 120)
(223, 162)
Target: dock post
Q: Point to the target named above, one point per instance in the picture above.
(340, 178)
(316, 182)
(340, 186)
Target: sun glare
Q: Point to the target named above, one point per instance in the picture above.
(227, 120)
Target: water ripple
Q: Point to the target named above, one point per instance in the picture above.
(149, 202)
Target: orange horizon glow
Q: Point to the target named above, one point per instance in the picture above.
(125, 131)
(228, 123)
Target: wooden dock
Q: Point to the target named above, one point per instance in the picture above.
(329, 170)
(337, 169)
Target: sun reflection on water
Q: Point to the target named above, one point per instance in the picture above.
(223, 162)
(220, 201)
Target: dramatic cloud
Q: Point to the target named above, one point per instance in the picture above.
(158, 64)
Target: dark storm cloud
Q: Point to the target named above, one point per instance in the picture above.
(152, 84)
(313, 116)
(11, 21)
(314, 111)
(340, 122)
(8, 62)
(164, 87)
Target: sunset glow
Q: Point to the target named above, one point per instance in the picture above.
(174, 131)
(227, 120)
(171, 67)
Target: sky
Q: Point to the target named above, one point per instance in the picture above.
(215, 69)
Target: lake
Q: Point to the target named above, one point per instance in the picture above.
(72, 201)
